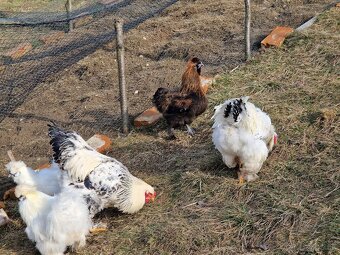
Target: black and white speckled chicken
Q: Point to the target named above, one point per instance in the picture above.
(106, 181)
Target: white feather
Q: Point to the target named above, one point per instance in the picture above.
(135, 199)
(54, 222)
(246, 141)
(82, 158)
(111, 183)
(46, 180)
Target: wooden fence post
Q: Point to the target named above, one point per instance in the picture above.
(68, 7)
(247, 17)
(121, 73)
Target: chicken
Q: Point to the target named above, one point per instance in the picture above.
(244, 135)
(46, 180)
(54, 222)
(180, 108)
(47, 177)
(108, 181)
(52, 181)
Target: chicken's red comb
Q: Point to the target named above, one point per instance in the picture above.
(275, 139)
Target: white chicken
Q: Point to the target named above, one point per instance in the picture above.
(108, 182)
(46, 180)
(244, 136)
(54, 222)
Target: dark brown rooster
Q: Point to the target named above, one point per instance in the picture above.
(180, 108)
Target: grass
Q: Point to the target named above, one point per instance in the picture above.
(294, 206)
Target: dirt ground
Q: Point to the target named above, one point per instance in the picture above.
(85, 94)
(84, 97)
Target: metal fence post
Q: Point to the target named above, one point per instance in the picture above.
(68, 7)
(247, 17)
(121, 74)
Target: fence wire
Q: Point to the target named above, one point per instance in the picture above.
(21, 76)
(74, 80)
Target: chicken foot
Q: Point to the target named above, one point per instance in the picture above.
(98, 227)
(191, 131)
(171, 135)
(241, 179)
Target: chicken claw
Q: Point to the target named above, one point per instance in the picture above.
(97, 228)
(191, 131)
(171, 135)
(240, 179)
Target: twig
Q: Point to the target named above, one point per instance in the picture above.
(329, 193)
(10, 155)
(195, 203)
(232, 70)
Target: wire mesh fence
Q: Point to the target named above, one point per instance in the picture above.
(50, 74)
(50, 50)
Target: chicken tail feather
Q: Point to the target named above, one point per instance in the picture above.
(72, 152)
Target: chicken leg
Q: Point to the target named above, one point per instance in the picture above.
(191, 131)
(241, 180)
(171, 135)
(98, 227)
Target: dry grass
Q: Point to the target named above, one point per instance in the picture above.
(39, 5)
(293, 207)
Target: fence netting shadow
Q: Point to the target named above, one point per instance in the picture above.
(95, 28)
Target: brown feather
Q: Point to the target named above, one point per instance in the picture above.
(181, 108)
(191, 81)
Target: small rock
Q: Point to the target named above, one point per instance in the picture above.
(136, 92)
